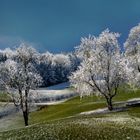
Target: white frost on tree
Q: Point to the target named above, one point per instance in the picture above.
(87, 44)
(132, 54)
(102, 71)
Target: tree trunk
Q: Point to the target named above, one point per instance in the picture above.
(25, 115)
(26, 112)
(109, 103)
(24, 108)
(138, 68)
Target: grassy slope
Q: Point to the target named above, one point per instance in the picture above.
(67, 109)
(75, 106)
(83, 128)
(52, 123)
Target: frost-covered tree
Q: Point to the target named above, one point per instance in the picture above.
(132, 53)
(102, 69)
(3, 57)
(61, 66)
(20, 76)
(45, 67)
(8, 53)
(55, 68)
(74, 61)
(84, 50)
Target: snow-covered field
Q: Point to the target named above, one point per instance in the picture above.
(102, 111)
(53, 94)
(43, 96)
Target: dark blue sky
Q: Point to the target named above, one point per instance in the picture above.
(58, 25)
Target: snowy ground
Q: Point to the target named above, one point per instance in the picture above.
(43, 96)
(102, 111)
(53, 94)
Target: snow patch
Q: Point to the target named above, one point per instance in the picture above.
(102, 111)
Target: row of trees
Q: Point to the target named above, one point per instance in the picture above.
(104, 67)
(53, 68)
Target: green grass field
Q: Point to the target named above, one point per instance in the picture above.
(61, 122)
